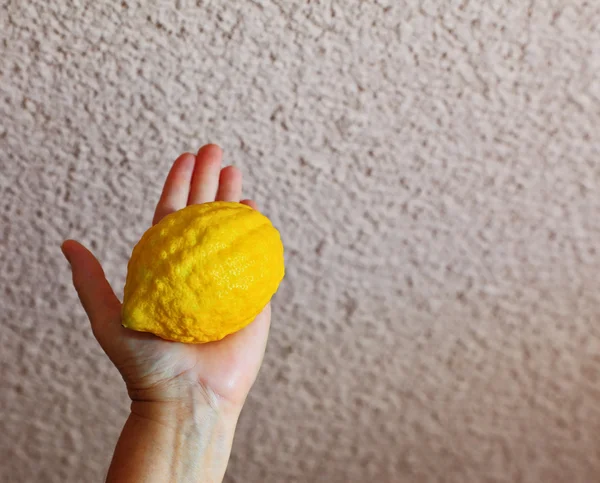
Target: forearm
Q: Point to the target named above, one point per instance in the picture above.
(173, 442)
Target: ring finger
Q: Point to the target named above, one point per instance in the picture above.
(230, 184)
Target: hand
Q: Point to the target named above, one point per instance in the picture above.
(156, 370)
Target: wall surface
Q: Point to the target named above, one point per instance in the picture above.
(434, 168)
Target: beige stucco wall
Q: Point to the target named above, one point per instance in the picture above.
(434, 168)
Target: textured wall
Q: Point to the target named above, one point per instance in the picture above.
(434, 170)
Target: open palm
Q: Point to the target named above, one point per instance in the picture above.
(155, 369)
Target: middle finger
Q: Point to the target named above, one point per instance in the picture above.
(205, 180)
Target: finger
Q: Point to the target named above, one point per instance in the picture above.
(251, 203)
(230, 184)
(205, 180)
(177, 187)
(95, 293)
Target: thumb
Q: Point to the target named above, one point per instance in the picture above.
(95, 293)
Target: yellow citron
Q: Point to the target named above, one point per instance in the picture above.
(202, 273)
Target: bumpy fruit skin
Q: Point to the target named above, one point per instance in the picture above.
(202, 273)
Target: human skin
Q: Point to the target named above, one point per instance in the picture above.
(185, 398)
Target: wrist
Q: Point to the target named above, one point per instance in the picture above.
(191, 406)
(175, 440)
(192, 414)
(181, 399)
